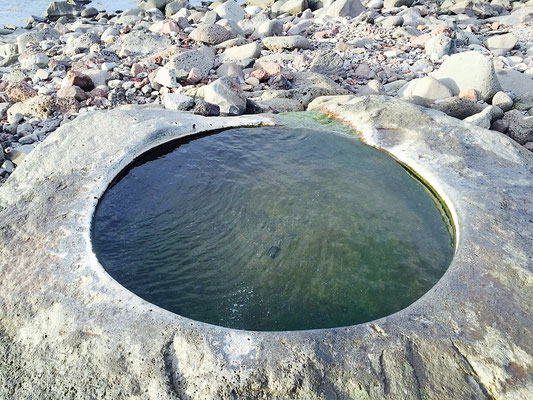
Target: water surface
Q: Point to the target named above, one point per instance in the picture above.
(17, 12)
(272, 229)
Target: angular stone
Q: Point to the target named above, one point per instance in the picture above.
(81, 44)
(58, 9)
(328, 62)
(99, 77)
(142, 43)
(9, 50)
(34, 61)
(40, 106)
(471, 94)
(36, 36)
(520, 126)
(173, 7)
(227, 94)
(72, 92)
(177, 102)
(482, 119)
(206, 109)
(230, 10)
(230, 69)
(474, 8)
(469, 70)
(203, 59)
(166, 77)
(20, 91)
(439, 46)
(165, 27)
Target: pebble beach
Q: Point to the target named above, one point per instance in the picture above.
(472, 60)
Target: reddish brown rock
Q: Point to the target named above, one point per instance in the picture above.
(20, 91)
(441, 29)
(260, 74)
(136, 69)
(471, 94)
(420, 40)
(76, 78)
(97, 93)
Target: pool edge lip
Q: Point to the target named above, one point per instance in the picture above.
(388, 331)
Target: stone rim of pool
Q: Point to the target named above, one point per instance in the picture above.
(67, 325)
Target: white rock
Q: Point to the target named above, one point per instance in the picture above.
(42, 74)
(501, 44)
(345, 8)
(251, 50)
(225, 93)
(502, 100)
(166, 77)
(482, 119)
(519, 83)
(177, 102)
(37, 60)
(293, 7)
(230, 10)
(424, 91)
(270, 28)
(286, 42)
(469, 70)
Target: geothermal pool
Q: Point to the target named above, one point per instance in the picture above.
(272, 229)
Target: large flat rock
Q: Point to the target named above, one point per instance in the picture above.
(68, 330)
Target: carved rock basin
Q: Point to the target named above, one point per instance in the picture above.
(67, 329)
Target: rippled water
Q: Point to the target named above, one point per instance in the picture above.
(16, 12)
(272, 229)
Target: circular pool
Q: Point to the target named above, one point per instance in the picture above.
(273, 229)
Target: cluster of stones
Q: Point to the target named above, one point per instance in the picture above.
(472, 60)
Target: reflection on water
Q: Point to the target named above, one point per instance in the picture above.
(16, 12)
(272, 229)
